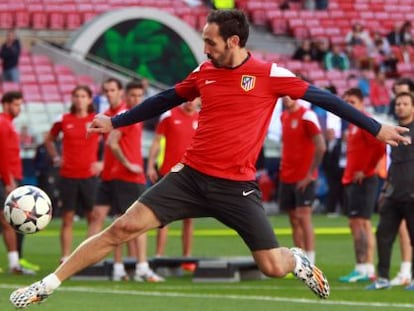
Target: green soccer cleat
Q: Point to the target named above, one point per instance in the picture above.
(24, 263)
(354, 277)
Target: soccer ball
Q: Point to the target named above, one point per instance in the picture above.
(28, 209)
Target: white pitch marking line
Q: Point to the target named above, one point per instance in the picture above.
(230, 297)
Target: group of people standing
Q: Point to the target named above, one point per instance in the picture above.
(100, 182)
(303, 147)
(112, 184)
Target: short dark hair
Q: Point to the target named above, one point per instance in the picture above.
(231, 23)
(134, 84)
(116, 81)
(405, 81)
(354, 92)
(409, 94)
(10, 96)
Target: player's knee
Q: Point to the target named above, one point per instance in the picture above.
(123, 229)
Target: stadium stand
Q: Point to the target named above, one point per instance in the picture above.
(47, 82)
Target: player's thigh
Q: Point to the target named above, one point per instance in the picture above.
(178, 195)
(243, 213)
(137, 219)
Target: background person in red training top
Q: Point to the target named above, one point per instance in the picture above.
(217, 174)
(10, 174)
(123, 179)
(363, 152)
(303, 146)
(177, 126)
(79, 166)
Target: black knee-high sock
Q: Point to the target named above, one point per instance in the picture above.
(20, 238)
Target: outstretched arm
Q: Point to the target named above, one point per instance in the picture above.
(389, 134)
(149, 108)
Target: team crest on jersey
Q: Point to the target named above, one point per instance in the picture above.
(294, 123)
(195, 125)
(248, 82)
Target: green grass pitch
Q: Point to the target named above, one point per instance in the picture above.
(334, 254)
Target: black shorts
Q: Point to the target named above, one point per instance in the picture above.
(118, 194)
(290, 197)
(360, 199)
(2, 195)
(75, 192)
(188, 193)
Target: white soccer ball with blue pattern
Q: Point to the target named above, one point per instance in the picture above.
(28, 209)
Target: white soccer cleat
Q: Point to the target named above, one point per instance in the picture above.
(311, 275)
(35, 293)
(401, 280)
(148, 276)
(120, 276)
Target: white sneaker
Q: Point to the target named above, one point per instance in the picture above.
(401, 280)
(311, 275)
(148, 276)
(120, 276)
(35, 293)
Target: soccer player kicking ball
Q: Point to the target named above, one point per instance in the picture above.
(217, 175)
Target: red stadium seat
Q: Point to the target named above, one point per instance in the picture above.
(39, 20)
(46, 78)
(405, 68)
(87, 16)
(6, 20)
(30, 88)
(271, 14)
(67, 87)
(301, 33)
(57, 21)
(50, 93)
(62, 69)
(33, 97)
(84, 79)
(28, 78)
(66, 78)
(39, 59)
(316, 74)
(25, 68)
(279, 26)
(259, 17)
(10, 86)
(73, 20)
(43, 69)
(22, 19)
(190, 19)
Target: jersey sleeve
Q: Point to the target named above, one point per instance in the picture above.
(188, 87)
(376, 148)
(162, 124)
(56, 127)
(5, 167)
(285, 83)
(311, 123)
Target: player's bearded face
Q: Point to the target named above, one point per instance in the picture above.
(215, 47)
(220, 59)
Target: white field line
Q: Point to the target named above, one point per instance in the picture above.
(224, 296)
